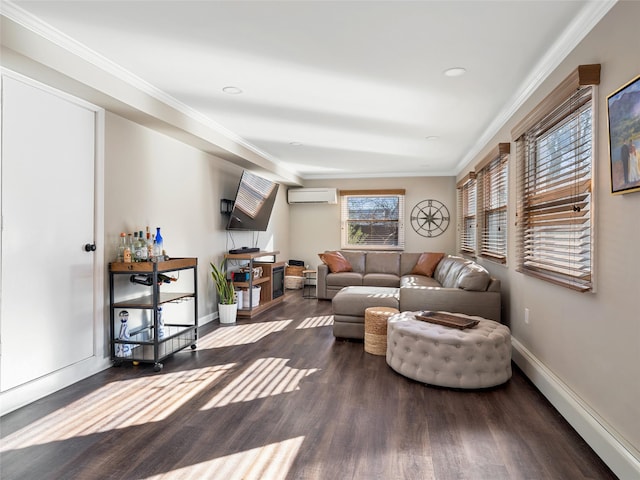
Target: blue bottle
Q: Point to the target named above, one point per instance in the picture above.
(159, 245)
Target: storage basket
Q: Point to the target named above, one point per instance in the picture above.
(254, 299)
(293, 271)
(293, 283)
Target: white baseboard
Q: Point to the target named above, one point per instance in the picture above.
(34, 390)
(621, 457)
(207, 319)
(29, 392)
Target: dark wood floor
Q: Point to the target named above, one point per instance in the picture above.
(277, 397)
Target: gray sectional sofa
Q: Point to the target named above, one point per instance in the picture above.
(384, 279)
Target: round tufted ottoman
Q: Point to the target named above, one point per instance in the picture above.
(472, 358)
(375, 329)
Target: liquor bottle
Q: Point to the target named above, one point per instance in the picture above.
(149, 246)
(123, 349)
(142, 248)
(159, 246)
(121, 247)
(141, 279)
(127, 254)
(134, 247)
(160, 324)
(157, 251)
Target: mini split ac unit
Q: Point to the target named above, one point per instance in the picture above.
(312, 195)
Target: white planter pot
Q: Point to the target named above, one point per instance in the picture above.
(227, 313)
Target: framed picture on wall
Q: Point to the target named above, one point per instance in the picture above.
(623, 114)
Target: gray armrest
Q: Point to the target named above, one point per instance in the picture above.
(321, 281)
(455, 300)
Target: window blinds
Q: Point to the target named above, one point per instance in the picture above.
(492, 198)
(554, 182)
(467, 214)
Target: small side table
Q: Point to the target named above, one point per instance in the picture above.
(309, 285)
(375, 329)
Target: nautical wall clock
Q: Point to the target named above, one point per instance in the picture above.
(430, 218)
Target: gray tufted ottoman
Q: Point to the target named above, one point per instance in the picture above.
(472, 358)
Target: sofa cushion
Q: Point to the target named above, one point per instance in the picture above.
(451, 278)
(458, 272)
(473, 277)
(353, 301)
(356, 259)
(383, 262)
(427, 263)
(443, 267)
(418, 281)
(407, 262)
(381, 280)
(336, 262)
(344, 279)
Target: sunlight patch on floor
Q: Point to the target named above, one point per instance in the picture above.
(233, 335)
(118, 405)
(313, 322)
(271, 462)
(263, 378)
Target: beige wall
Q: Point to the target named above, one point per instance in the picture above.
(590, 342)
(582, 350)
(316, 228)
(152, 179)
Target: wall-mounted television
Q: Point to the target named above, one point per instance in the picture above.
(253, 203)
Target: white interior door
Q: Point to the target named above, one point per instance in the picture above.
(47, 302)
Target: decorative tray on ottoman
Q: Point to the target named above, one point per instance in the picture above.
(447, 319)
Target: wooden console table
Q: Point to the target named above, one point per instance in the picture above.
(265, 282)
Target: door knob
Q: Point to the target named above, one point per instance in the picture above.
(90, 247)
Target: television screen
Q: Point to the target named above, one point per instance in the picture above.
(253, 203)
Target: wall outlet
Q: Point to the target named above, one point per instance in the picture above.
(526, 316)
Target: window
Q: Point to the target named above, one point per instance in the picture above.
(467, 214)
(492, 196)
(372, 219)
(554, 149)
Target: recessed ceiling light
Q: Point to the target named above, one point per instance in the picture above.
(432, 137)
(232, 90)
(455, 71)
(295, 144)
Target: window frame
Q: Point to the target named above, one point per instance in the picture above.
(555, 184)
(344, 220)
(492, 200)
(467, 214)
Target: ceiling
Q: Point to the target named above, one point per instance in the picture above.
(337, 89)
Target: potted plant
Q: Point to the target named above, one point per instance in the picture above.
(227, 308)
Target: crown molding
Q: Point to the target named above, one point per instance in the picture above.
(588, 18)
(342, 176)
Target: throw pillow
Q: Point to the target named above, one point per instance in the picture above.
(427, 263)
(336, 262)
